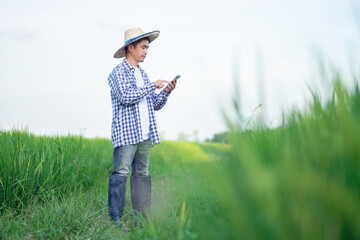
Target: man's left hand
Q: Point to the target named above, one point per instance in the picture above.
(171, 86)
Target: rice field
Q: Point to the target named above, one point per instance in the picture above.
(300, 180)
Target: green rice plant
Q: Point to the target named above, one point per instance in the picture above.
(300, 180)
(32, 165)
(49, 185)
(61, 218)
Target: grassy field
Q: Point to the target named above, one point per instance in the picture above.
(56, 187)
(300, 180)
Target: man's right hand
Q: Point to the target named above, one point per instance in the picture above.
(160, 83)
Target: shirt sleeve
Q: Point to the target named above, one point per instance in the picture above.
(127, 93)
(159, 100)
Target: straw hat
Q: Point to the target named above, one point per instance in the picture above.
(132, 35)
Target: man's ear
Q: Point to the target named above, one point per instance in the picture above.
(130, 47)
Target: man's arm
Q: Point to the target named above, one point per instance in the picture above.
(129, 94)
(160, 99)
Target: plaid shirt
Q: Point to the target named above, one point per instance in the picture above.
(125, 98)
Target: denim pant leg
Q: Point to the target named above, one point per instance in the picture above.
(140, 165)
(122, 159)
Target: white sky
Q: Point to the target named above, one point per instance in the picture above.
(55, 57)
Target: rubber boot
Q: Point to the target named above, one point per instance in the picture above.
(140, 188)
(116, 196)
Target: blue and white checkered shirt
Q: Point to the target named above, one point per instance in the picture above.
(125, 98)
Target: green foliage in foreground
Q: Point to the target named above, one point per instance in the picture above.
(298, 181)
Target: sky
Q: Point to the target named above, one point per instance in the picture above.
(55, 57)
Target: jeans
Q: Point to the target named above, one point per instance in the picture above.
(135, 157)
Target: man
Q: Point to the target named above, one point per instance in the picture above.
(134, 128)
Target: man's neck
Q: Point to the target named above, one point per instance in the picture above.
(132, 61)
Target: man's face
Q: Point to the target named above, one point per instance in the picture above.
(140, 51)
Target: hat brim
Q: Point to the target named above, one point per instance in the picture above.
(151, 35)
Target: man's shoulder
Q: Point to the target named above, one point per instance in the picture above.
(118, 70)
(120, 67)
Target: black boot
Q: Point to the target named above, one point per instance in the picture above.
(140, 188)
(116, 196)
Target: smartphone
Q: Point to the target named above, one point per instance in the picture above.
(177, 77)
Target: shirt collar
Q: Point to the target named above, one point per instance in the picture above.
(130, 67)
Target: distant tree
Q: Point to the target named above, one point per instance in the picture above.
(162, 134)
(196, 136)
(183, 137)
(220, 137)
